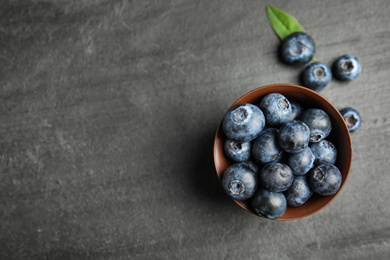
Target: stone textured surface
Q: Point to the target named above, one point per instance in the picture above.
(108, 111)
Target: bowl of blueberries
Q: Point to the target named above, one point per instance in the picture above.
(282, 152)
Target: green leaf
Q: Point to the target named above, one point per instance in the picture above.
(283, 23)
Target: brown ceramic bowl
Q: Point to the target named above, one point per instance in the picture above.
(339, 136)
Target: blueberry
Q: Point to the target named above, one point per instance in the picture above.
(319, 123)
(239, 181)
(297, 49)
(296, 110)
(324, 152)
(237, 151)
(325, 179)
(347, 68)
(243, 122)
(276, 177)
(276, 108)
(300, 163)
(351, 117)
(299, 192)
(268, 204)
(294, 136)
(252, 165)
(266, 147)
(316, 76)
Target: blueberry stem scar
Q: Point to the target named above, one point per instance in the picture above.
(347, 66)
(297, 48)
(319, 175)
(350, 120)
(319, 72)
(237, 187)
(240, 115)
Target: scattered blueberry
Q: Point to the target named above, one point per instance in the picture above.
(297, 49)
(299, 192)
(347, 68)
(276, 177)
(325, 179)
(276, 109)
(316, 76)
(237, 151)
(319, 123)
(294, 136)
(243, 122)
(351, 117)
(300, 163)
(239, 181)
(266, 147)
(296, 110)
(268, 204)
(324, 152)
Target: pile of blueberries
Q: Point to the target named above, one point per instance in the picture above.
(299, 49)
(280, 150)
(281, 154)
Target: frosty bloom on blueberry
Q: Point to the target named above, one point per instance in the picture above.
(301, 163)
(325, 179)
(316, 76)
(294, 136)
(276, 177)
(237, 151)
(269, 204)
(239, 181)
(347, 68)
(296, 110)
(252, 165)
(243, 122)
(297, 49)
(299, 191)
(277, 109)
(324, 152)
(266, 147)
(319, 123)
(351, 117)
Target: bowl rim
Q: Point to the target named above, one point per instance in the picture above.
(216, 150)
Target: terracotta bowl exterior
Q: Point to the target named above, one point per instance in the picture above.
(339, 136)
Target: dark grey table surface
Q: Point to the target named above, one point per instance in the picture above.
(107, 118)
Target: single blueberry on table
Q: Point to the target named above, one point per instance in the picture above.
(297, 49)
(319, 123)
(300, 163)
(347, 68)
(325, 179)
(299, 191)
(351, 117)
(239, 181)
(269, 204)
(296, 110)
(294, 136)
(237, 151)
(266, 147)
(324, 152)
(316, 76)
(243, 122)
(276, 177)
(276, 109)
